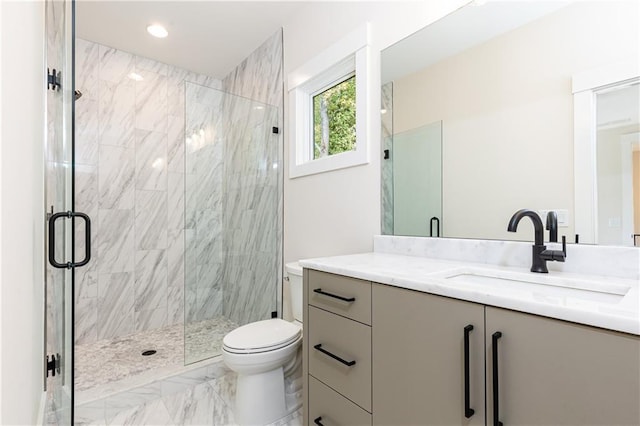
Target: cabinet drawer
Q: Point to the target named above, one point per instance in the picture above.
(347, 340)
(331, 408)
(335, 287)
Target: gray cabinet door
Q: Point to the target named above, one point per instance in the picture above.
(558, 373)
(418, 358)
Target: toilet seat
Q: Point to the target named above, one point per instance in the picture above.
(261, 336)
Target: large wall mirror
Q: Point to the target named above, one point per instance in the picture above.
(480, 119)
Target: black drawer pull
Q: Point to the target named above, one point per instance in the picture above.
(318, 421)
(496, 394)
(468, 411)
(345, 299)
(318, 347)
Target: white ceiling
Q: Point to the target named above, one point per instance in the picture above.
(458, 31)
(208, 37)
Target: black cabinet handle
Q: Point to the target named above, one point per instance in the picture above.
(468, 411)
(335, 296)
(318, 421)
(52, 239)
(318, 347)
(496, 393)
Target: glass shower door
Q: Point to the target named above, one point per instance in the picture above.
(232, 216)
(58, 364)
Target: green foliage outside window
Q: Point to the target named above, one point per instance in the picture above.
(334, 119)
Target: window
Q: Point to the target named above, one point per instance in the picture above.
(334, 119)
(328, 99)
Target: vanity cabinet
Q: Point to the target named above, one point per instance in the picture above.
(424, 359)
(560, 373)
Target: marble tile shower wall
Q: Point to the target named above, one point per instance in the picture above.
(253, 205)
(204, 199)
(387, 164)
(130, 178)
(216, 123)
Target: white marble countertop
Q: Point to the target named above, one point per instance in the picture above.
(620, 312)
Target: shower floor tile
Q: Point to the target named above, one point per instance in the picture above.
(109, 366)
(204, 338)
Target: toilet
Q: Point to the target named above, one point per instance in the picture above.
(263, 353)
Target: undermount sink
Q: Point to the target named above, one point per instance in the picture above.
(544, 287)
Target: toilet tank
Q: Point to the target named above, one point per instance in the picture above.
(294, 272)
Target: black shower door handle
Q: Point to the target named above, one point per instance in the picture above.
(52, 239)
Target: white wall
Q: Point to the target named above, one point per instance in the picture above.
(21, 210)
(338, 212)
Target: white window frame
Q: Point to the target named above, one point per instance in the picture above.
(347, 57)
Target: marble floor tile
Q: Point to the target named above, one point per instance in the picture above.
(293, 419)
(90, 413)
(129, 399)
(95, 423)
(199, 405)
(225, 387)
(201, 396)
(152, 413)
(179, 384)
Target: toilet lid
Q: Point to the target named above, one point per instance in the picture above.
(262, 334)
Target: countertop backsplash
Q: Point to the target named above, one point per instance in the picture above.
(585, 259)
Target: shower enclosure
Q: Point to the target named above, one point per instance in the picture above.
(181, 183)
(232, 216)
(185, 182)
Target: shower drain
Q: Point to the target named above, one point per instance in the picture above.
(149, 352)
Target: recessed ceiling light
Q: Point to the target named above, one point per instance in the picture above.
(157, 30)
(135, 76)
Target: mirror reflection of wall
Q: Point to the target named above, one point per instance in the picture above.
(499, 77)
(618, 166)
(417, 181)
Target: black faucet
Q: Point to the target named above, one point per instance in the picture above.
(552, 226)
(540, 253)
